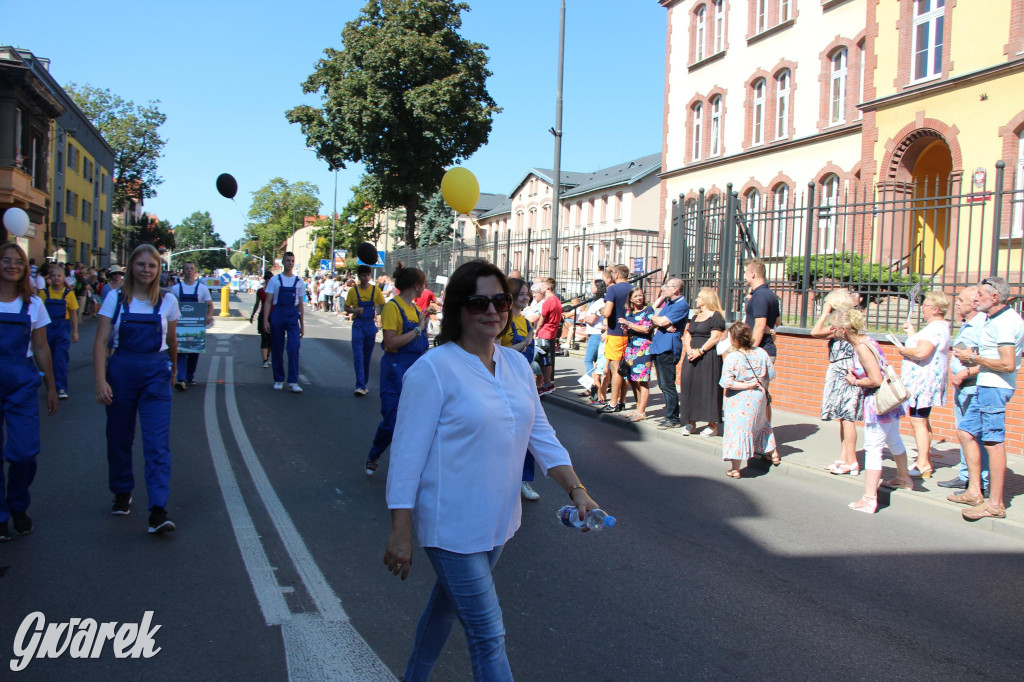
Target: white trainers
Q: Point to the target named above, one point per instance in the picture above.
(266, 364)
(361, 392)
(278, 385)
(529, 493)
(296, 388)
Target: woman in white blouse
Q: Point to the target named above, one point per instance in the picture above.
(468, 412)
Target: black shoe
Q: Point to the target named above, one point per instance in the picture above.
(371, 466)
(957, 483)
(609, 409)
(191, 382)
(122, 505)
(668, 424)
(180, 385)
(22, 522)
(5, 532)
(158, 521)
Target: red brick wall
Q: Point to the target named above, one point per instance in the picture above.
(801, 366)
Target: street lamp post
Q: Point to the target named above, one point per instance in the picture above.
(334, 216)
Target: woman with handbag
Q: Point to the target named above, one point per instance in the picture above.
(745, 376)
(637, 355)
(882, 411)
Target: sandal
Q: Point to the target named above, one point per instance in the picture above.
(920, 473)
(774, 459)
(897, 484)
(828, 467)
(839, 469)
(984, 511)
(638, 417)
(865, 504)
(733, 473)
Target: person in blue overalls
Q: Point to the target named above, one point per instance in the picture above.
(191, 291)
(23, 320)
(62, 307)
(283, 314)
(363, 302)
(139, 323)
(405, 340)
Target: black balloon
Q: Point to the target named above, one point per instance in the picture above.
(367, 253)
(227, 186)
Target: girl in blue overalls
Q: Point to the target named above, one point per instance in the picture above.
(140, 324)
(519, 336)
(189, 362)
(283, 315)
(62, 307)
(362, 302)
(23, 319)
(405, 340)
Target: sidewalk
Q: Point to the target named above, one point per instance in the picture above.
(806, 446)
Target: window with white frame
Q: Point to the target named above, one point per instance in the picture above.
(751, 210)
(837, 87)
(827, 218)
(700, 35)
(780, 218)
(929, 20)
(716, 126)
(698, 130)
(757, 113)
(713, 211)
(1017, 202)
(761, 16)
(783, 10)
(719, 25)
(782, 105)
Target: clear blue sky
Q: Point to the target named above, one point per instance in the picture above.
(225, 71)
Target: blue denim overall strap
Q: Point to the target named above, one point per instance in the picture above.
(56, 308)
(188, 298)
(528, 350)
(367, 307)
(417, 346)
(284, 309)
(15, 334)
(139, 333)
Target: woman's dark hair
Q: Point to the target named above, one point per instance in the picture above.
(364, 270)
(462, 285)
(602, 287)
(408, 278)
(629, 299)
(267, 274)
(516, 286)
(741, 335)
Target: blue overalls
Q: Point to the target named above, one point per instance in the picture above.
(19, 411)
(139, 374)
(187, 362)
(58, 336)
(528, 468)
(364, 331)
(284, 317)
(393, 366)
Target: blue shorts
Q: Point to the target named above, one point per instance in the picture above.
(985, 414)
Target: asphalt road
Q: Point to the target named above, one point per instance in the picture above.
(275, 569)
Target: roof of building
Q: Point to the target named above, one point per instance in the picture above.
(501, 204)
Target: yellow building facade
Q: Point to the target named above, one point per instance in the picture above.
(81, 188)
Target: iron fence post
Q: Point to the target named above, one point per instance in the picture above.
(508, 251)
(701, 269)
(808, 234)
(529, 239)
(997, 218)
(675, 238)
(727, 271)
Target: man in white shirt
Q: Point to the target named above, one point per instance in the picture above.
(998, 357)
(283, 315)
(191, 291)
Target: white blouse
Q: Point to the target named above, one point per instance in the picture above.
(460, 441)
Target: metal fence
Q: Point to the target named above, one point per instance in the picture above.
(582, 255)
(879, 241)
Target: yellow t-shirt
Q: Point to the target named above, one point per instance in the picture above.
(71, 301)
(364, 295)
(522, 329)
(391, 319)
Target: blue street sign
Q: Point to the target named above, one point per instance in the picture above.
(325, 264)
(381, 255)
(225, 278)
(638, 266)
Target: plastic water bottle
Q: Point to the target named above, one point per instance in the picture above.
(596, 519)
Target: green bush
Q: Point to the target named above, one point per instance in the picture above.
(851, 268)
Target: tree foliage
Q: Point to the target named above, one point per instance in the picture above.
(278, 209)
(854, 270)
(357, 223)
(132, 131)
(406, 96)
(196, 232)
(436, 221)
(157, 232)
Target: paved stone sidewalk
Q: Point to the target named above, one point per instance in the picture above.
(807, 445)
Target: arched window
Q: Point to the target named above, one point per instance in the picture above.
(713, 212)
(782, 105)
(757, 111)
(1018, 185)
(780, 217)
(698, 130)
(837, 87)
(719, 25)
(700, 35)
(827, 218)
(752, 209)
(716, 126)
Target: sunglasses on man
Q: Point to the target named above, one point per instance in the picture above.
(478, 304)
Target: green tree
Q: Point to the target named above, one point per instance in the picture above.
(196, 232)
(240, 262)
(436, 221)
(159, 233)
(277, 210)
(132, 131)
(406, 96)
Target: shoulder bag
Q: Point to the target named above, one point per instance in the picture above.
(768, 396)
(891, 393)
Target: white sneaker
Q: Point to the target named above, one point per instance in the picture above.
(361, 391)
(278, 385)
(529, 493)
(296, 388)
(266, 364)
(686, 430)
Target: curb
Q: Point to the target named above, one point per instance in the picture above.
(914, 502)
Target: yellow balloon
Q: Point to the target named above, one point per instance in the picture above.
(460, 189)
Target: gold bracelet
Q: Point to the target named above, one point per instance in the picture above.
(576, 486)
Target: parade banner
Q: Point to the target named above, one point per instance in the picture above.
(192, 327)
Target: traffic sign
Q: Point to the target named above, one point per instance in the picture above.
(225, 278)
(325, 264)
(638, 266)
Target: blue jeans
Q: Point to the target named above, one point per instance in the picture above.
(961, 400)
(464, 589)
(590, 358)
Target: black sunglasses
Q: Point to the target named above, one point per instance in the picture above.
(477, 305)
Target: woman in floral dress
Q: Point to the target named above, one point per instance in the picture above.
(745, 373)
(638, 326)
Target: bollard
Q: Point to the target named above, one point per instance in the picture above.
(225, 296)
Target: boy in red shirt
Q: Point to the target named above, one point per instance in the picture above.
(547, 332)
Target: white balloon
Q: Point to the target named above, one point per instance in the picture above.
(16, 221)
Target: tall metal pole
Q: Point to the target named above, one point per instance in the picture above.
(557, 132)
(334, 218)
